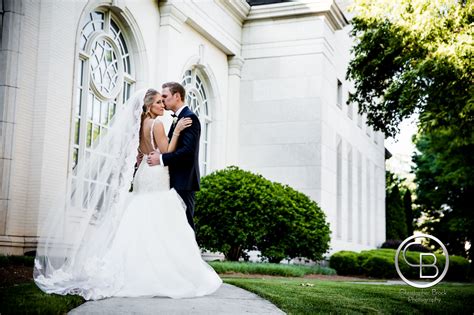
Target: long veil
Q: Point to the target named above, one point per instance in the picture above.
(74, 232)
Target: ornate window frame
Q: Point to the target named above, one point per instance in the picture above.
(104, 80)
(198, 99)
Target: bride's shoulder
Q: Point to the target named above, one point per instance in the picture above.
(158, 125)
(157, 122)
(152, 122)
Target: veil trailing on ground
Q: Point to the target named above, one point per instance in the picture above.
(69, 245)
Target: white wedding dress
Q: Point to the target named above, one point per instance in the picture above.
(152, 253)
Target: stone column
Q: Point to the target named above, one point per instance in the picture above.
(233, 108)
(11, 18)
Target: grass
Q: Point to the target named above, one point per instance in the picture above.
(20, 295)
(287, 292)
(27, 298)
(347, 298)
(269, 269)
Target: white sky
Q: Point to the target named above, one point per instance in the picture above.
(402, 148)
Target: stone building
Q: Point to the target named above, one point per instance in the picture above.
(267, 79)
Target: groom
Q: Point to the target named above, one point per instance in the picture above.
(183, 162)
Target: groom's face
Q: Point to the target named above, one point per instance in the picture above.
(169, 99)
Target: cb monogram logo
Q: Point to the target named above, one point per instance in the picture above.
(421, 264)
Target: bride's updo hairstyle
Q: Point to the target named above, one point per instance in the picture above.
(147, 101)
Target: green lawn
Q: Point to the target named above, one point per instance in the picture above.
(27, 298)
(346, 298)
(315, 296)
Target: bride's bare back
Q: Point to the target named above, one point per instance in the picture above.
(158, 136)
(160, 140)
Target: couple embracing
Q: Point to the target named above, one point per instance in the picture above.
(140, 243)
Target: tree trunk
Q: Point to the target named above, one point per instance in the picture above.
(234, 253)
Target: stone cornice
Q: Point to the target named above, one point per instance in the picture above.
(326, 8)
(177, 13)
(171, 15)
(238, 8)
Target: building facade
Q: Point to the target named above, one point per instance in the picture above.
(267, 81)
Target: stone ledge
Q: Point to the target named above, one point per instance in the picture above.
(17, 245)
(326, 8)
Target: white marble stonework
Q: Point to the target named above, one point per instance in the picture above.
(273, 102)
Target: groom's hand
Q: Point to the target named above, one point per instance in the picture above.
(139, 158)
(153, 159)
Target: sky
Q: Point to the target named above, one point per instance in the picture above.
(402, 149)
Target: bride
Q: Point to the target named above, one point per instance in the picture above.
(102, 241)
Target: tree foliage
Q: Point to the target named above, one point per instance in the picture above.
(395, 217)
(415, 56)
(237, 210)
(408, 207)
(445, 190)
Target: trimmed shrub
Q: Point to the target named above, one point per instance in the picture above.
(237, 210)
(458, 269)
(345, 263)
(298, 229)
(380, 263)
(378, 266)
(377, 263)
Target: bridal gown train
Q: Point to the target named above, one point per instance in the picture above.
(153, 253)
(155, 244)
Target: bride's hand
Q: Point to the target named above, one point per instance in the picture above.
(182, 124)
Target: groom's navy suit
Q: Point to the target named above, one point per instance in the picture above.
(183, 163)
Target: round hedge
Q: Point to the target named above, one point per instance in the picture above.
(380, 263)
(237, 210)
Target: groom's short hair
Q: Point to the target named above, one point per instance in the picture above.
(175, 87)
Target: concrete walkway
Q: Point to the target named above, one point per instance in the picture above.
(227, 300)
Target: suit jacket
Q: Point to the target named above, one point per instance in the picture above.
(183, 163)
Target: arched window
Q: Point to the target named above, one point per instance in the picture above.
(197, 98)
(104, 79)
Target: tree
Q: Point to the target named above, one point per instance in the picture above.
(407, 206)
(237, 210)
(395, 219)
(445, 186)
(415, 56)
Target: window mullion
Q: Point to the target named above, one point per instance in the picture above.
(84, 106)
(107, 26)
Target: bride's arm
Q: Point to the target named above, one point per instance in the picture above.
(161, 139)
(182, 124)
